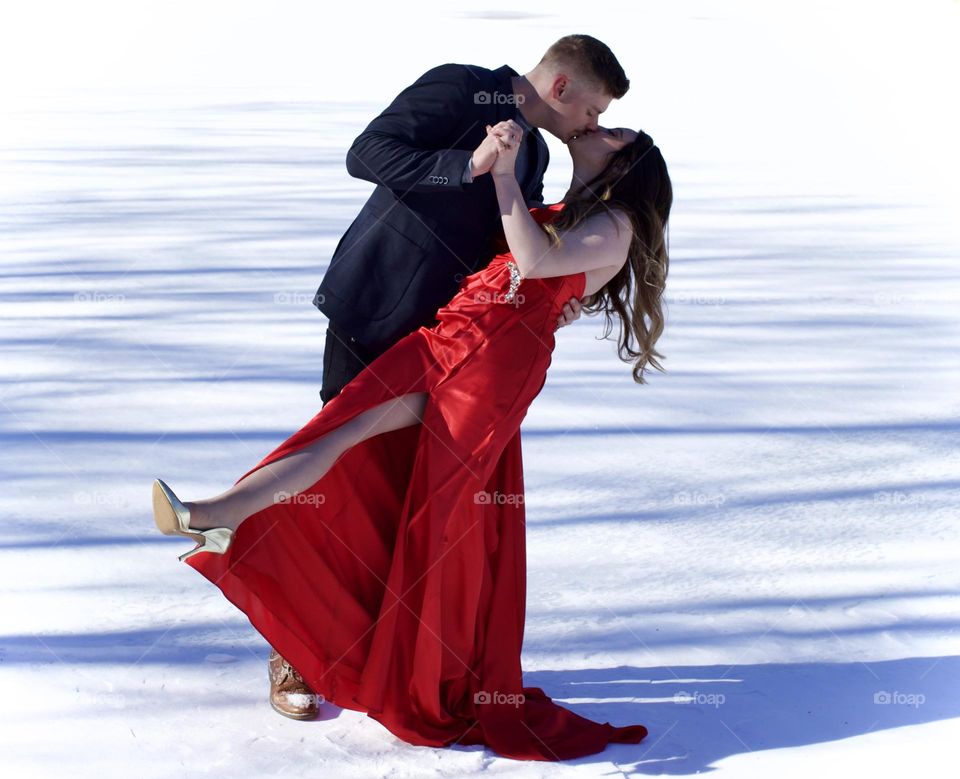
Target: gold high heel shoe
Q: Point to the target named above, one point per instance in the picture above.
(173, 518)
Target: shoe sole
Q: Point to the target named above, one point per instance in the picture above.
(163, 514)
(165, 518)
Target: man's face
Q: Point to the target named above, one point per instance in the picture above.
(576, 109)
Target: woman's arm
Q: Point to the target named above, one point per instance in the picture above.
(599, 241)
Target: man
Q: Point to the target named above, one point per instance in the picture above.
(433, 217)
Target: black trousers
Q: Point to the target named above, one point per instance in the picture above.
(343, 359)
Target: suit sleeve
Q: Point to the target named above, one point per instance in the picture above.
(406, 147)
(537, 199)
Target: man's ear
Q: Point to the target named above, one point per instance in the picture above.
(560, 85)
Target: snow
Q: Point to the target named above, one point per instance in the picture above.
(301, 699)
(755, 555)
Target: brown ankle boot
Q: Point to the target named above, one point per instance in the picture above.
(289, 694)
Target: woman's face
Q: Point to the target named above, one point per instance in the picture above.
(591, 150)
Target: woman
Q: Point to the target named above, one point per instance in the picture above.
(380, 549)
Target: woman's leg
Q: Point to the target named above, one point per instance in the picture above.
(299, 470)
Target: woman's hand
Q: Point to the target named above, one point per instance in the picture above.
(571, 312)
(485, 154)
(508, 136)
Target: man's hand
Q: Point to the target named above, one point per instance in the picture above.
(571, 312)
(486, 153)
(509, 136)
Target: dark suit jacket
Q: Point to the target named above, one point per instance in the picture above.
(422, 231)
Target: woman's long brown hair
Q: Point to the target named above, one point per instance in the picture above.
(634, 181)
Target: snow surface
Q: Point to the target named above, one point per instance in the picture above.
(755, 555)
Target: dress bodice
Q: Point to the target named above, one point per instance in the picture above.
(558, 288)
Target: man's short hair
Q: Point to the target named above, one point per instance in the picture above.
(590, 59)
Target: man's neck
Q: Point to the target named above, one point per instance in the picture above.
(528, 100)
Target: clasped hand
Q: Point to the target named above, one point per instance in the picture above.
(497, 153)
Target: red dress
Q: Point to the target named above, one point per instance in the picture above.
(396, 584)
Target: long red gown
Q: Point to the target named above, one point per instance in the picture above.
(396, 584)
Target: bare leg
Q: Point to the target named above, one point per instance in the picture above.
(299, 470)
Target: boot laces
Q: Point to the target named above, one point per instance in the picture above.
(288, 671)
